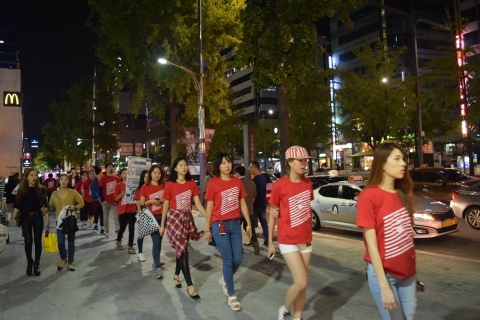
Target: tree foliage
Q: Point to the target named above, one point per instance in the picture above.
(134, 34)
(280, 40)
(375, 103)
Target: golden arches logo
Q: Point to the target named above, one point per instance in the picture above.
(11, 99)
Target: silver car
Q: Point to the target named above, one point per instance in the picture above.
(466, 205)
(335, 205)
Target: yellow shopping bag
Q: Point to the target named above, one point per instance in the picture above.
(50, 242)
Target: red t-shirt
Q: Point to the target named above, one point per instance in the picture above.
(180, 195)
(86, 190)
(226, 196)
(123, 207)
(50, 184)
(294, 224)
(79, 186)
(385, 212)
(108, 184)
(136, 196)
(149, 191)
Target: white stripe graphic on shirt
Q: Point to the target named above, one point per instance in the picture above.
(183, 200)
(230, 200)
(398, 233)
(299, 206)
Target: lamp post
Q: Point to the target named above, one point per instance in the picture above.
(201, 116)
(79, 140)
(413, 26)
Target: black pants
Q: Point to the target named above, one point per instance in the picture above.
(124, 219)
(84, 212)
(34, 223)
(254, 222)
(97, 212)
(182, 264)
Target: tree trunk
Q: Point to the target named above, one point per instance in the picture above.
(284, 118)
(173, 113)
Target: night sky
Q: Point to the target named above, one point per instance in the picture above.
(56, 49)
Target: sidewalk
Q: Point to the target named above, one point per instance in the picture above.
(113, 284)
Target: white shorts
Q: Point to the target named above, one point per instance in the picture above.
(302, 247)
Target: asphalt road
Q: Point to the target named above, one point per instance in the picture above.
(465, 243)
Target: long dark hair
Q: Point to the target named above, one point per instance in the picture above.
(149, 174)
(405, 184)
(141, 182)
(23, 189)
(173, 176)
(218, 161)
(120, 173)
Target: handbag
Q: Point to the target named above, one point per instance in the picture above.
(19, 220)
(69, 223)
(50, 244)
(147, 224)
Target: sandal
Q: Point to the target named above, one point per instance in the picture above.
(119, 245)
(176, 280)
(131, 250)
(194, 294)
(61, 265)
(224, 286)
(234, 304)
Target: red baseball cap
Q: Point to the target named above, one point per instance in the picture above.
(297, 152)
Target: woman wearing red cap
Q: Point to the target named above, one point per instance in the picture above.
(290, 208)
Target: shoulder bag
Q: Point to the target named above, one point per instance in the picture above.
(147, 224)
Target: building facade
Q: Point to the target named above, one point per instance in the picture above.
(11, 116)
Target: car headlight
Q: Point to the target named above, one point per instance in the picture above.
(423, 216)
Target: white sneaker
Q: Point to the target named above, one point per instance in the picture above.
(284, 314)
(141, 257)
(159, 273)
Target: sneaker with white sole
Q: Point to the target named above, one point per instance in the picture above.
(102, 231)
(95, 229)
(106, 235)
(284, 314)
(158, 273)
(141, 257)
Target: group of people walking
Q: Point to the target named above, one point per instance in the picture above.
(385, 211)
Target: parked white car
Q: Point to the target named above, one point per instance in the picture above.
(335, 206)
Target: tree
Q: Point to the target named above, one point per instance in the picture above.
(376, 104)
(280, 41)
(228, 135)
(266, 139)
(134, 34)
(311, 122)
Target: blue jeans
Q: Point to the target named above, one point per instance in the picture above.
(231, 249)
(262, 216)
(157, 243)
(61, 246)
(404, 291)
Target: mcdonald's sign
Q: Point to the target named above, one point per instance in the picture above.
(12, 99)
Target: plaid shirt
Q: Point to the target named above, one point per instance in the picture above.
(180, 228)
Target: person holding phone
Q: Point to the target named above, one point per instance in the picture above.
(151, 196)
(290, 210)
(225, 199)
(385, 213)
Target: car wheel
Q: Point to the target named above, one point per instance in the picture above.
(472, 216)
(315, 221)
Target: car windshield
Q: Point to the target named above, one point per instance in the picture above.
(456, 176)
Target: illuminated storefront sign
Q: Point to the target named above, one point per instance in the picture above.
(11, 99)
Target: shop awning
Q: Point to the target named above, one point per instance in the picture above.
(363, 154)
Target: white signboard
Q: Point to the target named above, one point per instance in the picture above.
(135, 166)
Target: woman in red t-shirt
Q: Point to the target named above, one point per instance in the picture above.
(126, 213)
(225, 197)
(385, 209)
(180, 190)
(290, 209)
(136, 197)
(151, 195)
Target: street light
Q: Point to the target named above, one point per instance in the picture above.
(201, 116)
(413, 25)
